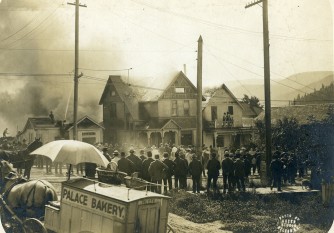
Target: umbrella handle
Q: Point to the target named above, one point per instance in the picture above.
(69, 172)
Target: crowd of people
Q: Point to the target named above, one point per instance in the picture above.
(167, 163)
(159, 165)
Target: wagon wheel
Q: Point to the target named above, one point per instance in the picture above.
(33, 225)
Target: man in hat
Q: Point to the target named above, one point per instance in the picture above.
(125, 165)
(156, 172)
(239, 172)
(146, 164)
(276, 168)
(228, 169)
(195, 170)
(106, 154)
(169, 172)
(136, 161)
(213, 172)
(142, 155)
(181, 171)
(113, 165)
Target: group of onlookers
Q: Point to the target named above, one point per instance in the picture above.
(236, 167)
(284, 167)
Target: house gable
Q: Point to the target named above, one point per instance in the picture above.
(86, 122)
(118, 91)
(171, 125)
(180, 88)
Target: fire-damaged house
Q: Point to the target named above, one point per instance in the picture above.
(48, 129)
(150, 115)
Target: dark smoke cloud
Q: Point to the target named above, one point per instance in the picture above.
(22, 97)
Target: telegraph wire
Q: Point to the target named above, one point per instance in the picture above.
(227, 27)
(32, 30)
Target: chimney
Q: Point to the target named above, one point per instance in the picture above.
(185, 69)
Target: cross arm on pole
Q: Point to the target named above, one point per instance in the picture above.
(253, 3)
(73, 4)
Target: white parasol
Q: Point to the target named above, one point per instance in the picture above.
(71, 152)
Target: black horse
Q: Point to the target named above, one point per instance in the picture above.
(22, 159)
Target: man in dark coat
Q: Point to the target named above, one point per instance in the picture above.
(125, 165)
(276, 168)
(228, 169)
(195, 170)
(142, 155)
(181, 171)
(106, 154)
(213, 172)
(156, 172)
(146, 164)
(239, 173)
(168, 173)
(136, 161)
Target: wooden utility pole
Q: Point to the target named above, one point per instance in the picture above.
(199, 126)
(76, 68)
(267, 105)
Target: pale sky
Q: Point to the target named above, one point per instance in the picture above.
(155, 39)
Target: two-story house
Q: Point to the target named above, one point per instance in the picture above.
(226, 121)
(150, 115)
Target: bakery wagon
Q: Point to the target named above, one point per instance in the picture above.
(89, 206)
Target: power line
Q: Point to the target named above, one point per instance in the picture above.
(32, 30)
(226, 27)
(229, 71)
(34, 75)
(104, 69)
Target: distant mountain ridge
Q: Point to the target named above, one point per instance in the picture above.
(287, 89)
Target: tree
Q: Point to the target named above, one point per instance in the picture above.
(253, 101)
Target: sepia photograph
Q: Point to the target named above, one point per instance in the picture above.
(143, 116)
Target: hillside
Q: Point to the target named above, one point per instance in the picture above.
(282, 91)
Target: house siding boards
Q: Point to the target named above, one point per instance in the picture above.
(88, 131)
(217, 134)
(175, 101)
(42, 127)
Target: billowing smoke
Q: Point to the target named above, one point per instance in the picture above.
(38, 38)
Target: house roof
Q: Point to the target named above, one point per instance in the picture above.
(250, 111)
(224, 87)
(83, 122)
(127, 93)
(159, 87)
(301, 113)
(38, 123)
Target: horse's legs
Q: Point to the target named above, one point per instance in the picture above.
(27, 171)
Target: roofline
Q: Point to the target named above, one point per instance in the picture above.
(180, 73)
(231, 94)
(79, 121)
(171, 120)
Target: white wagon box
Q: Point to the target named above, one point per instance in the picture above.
(90, 206)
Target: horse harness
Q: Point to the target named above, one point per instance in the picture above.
(32, 191)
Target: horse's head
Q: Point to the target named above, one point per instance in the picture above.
(6, 169)
(34, 145)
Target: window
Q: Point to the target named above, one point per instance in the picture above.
(113, 113)
(213, 113)
(174, 108)
(186, 107)
(88, 133)
(230, 110)
(113, 93)
(179, 89)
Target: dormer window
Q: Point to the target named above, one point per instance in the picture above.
(179, 89)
